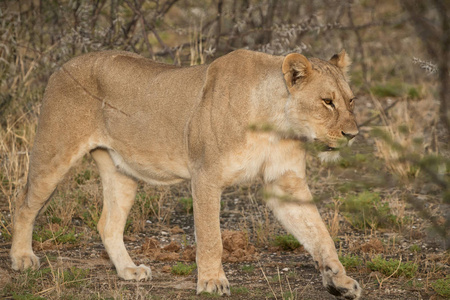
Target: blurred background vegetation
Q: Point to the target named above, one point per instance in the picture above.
(400, 52)
(397, 46)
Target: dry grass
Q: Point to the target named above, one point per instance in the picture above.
(16, 139)
(333, 224)
(409, 132)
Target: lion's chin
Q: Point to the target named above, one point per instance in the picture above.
(329, 156)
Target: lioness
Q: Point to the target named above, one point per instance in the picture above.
(143, 120)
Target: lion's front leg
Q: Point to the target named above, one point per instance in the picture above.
(211, 277)
(291, 202)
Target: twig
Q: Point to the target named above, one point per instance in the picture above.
(138, 12)
(73, 78)
(360, 42)
(279, 280)
(3, 225)
(398, 267)
(92, 95)
(46, 291)
(368, 121)
(304, 289)
(219, 22)
(375, 24)
(145, 24)
(267, 280)
(167, 5)
(289, 285)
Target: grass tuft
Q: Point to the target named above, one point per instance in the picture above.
(61, 235)
(187, 204)
(393, 267)
(286, 242)
(367, 210)
(183, 269)
(351, 261)
(73, 276)
(388, 90)
(442, 287)
(26, 296)
(239, 290)
(248, 268)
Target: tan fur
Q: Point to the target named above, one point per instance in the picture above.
(245, 115)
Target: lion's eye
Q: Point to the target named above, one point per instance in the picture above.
(328, 102)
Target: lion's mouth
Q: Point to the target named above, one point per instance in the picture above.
(329, 148)
(324, 146)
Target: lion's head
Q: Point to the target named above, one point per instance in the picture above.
(320, 107)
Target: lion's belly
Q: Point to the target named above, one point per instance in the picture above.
(153, 170)
(148, 145)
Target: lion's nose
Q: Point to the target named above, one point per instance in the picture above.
(349, 135)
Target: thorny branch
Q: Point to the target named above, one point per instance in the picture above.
(142, 20)
(92, 95)
(144, 24)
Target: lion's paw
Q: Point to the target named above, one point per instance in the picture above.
(350, 291)
(24, 261)
(218, 285)
(340, 285)
(139, 273)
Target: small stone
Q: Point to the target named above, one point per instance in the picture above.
(176, 230)
(167, 269)
(172, 247)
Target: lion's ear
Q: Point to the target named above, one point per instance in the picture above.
(342, 61)
(295, 67)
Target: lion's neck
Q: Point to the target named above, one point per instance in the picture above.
(269, 102)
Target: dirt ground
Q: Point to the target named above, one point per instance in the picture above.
(255, 272)
(296, 270)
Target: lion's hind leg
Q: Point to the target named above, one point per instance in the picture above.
(22, 255)
(48, 165)
(119, 192)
